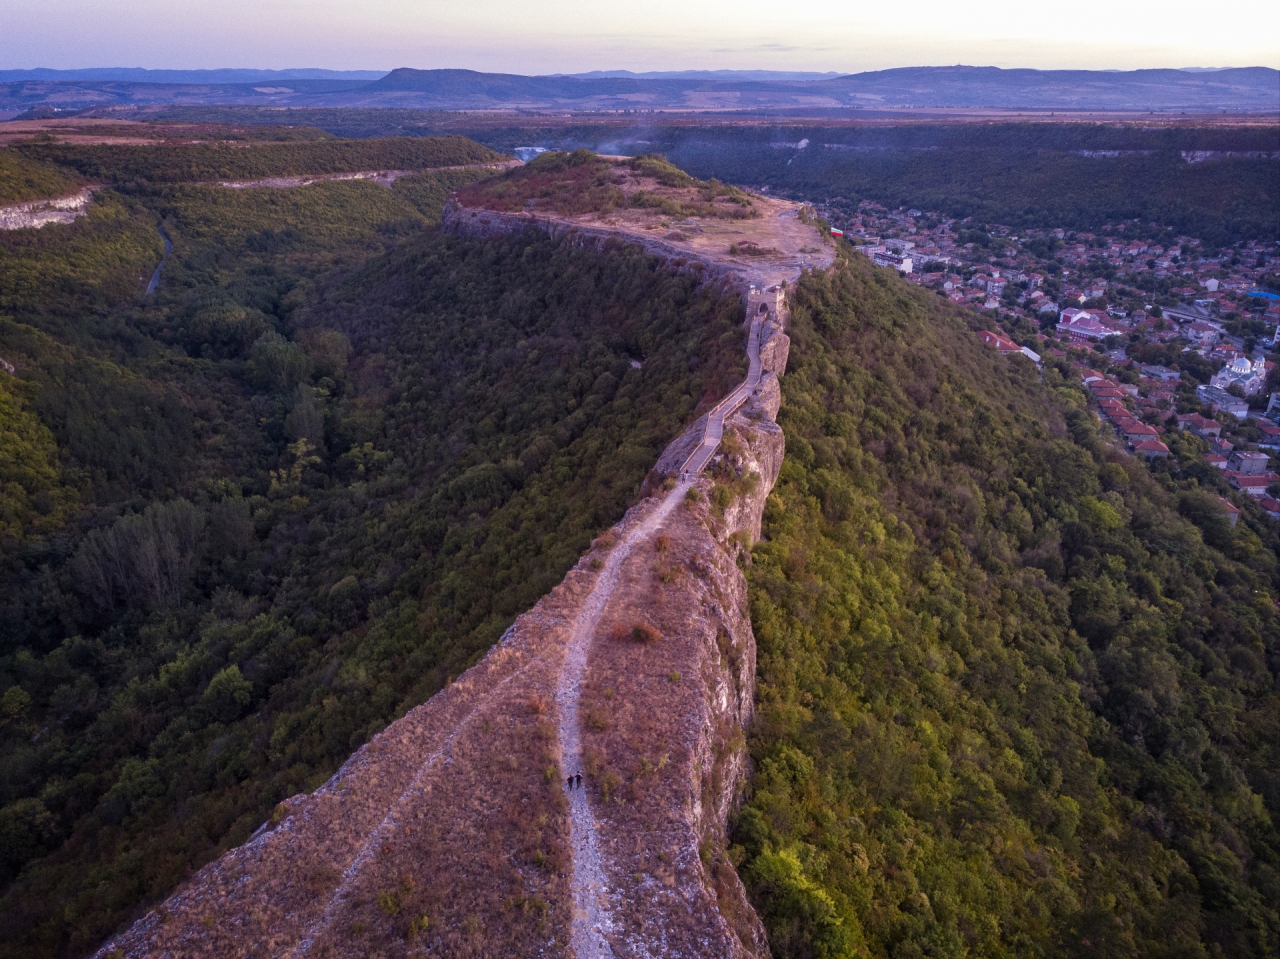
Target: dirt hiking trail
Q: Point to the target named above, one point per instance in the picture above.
(591, 920)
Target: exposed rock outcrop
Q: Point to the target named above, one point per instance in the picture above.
(38, 213)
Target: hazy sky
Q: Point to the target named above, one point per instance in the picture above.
(554, 36)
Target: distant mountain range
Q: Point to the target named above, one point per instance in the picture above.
(1249, 89)
(718, 75)
(140, 75)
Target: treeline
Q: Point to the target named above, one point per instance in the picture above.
(1063, 137)
(500, 134)
(1222, 202)
(318, 474)
(1017, 692)
(22, 179)
(163, 163)
(353, 122)
(1018, 174)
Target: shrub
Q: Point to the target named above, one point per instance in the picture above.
(609, 784)
(389, 902)
(418, 926)
(721, 497)
(645, 634)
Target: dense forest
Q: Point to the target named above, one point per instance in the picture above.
(1021, 175)
(166, 163)
(254, 517)
(1017, 176)
(1017, 692)
(23, 179)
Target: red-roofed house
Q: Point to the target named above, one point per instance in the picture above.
(1002, 343)
(1201, 332)
(1271, 506)
(1085, 324)
(1007, 347)
(1135, 432)
(1151, 449)
(1233, 514)
(1254, 485)
(1200, 425)
(1270, 434)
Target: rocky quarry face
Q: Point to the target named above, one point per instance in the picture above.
(454, 832)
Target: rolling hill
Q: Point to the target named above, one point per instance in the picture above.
(1252, 89)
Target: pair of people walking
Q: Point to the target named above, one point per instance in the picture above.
(571, 781)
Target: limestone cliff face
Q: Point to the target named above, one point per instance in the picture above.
(488, 225)
(773, 355)
(38, 213)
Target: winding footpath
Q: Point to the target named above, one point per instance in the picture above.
(591, 921)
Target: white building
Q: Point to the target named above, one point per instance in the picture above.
(900, 263)
(1250, 377)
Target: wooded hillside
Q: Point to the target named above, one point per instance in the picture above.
(1017, 693)
(253, 518)
(166, 163)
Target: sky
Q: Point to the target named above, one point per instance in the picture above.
(567, 36)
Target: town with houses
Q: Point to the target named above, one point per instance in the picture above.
(1171, 340)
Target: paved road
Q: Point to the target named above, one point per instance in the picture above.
(699, 458)
(155, 277)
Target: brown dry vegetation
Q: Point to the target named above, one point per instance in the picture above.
(673, 736)
(757, 239)
(582, 182)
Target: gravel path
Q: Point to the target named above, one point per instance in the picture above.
(591, 921)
